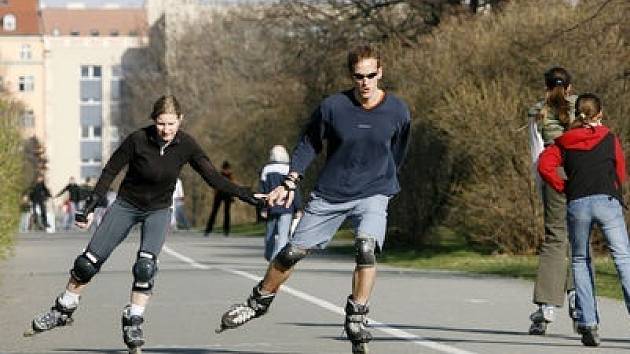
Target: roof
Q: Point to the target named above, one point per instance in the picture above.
(24, 15)
(94, 22)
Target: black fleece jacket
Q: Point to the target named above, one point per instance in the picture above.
(154, 167)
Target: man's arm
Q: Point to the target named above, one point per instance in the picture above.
(400, 141)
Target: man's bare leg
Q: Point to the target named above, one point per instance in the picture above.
(363, 280)
(276, 276)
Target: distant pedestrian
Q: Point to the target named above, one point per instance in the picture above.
(71, 205)
(178, 217)
(26, 213)
(221, 198)
(279, 217)
(39, 196)
(549, 119)
(594, 162)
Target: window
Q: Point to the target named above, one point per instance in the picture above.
(114, 33)
(91, 132)
(4, 2)
(9, 23)
(28, 118)
(75, 33)
(25, 52)
(116, 71)
(90, 71)
(26, 83)
(94, 33)
(133, 33)
(1, 83)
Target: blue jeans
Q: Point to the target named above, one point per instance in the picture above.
(277, 234)
(582, 214)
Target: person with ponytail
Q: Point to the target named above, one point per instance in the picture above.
(548, 119)
(154, 156)
(594, 162)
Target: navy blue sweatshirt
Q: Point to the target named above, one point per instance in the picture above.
(365, 148)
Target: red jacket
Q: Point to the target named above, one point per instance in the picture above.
(578, 139)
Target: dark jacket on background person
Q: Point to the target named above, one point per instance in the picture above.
(39, 192)
(154, 166)
(271, 176)
(74, 192)
(593, 161)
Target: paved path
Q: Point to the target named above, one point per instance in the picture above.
(412, 311)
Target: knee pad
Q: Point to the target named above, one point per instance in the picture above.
(289, 255)
(85, 267)
(365, 256)
(143, 271)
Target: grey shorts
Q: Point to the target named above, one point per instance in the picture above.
(323, 218)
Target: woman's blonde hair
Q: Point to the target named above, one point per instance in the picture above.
(166, 104)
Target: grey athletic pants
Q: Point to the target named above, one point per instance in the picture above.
(119, 218)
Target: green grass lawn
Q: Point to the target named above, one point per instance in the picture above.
(452, 253)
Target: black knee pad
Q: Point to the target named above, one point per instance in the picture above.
(365, 256)
(85, 267)
(143, 271)
(289, 255)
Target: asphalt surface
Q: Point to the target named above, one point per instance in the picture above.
(411, 311)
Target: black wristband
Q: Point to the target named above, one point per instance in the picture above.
(288, 187)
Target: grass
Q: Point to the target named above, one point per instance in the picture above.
(452, 253)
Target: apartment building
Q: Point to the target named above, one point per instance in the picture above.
(87, 51)
(22, 62)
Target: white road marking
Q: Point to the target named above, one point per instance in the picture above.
(395, 332)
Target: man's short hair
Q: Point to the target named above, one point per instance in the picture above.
(363, 51)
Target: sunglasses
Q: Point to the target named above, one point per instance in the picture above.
(360, 77)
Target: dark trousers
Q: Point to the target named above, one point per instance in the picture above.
(227, 202)
(43, 218)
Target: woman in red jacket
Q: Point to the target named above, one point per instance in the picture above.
(594, 163)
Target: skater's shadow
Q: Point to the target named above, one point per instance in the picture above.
(149, 350)
(572, 341)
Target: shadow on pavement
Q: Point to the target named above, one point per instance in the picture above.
(165, 351)
(573, 341)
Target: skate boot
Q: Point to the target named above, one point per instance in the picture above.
(541, 318)
(238, 314)
(58, 315)
(572, 309)
(590, 337)
(355, 326)
(132, 331)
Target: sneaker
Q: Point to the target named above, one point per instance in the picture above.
(590, 337)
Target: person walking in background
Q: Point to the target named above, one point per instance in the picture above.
(178, 218)
(366, 132)
(596, 169)
(26, 213)
(154, 156)
(72, 203)
(279, 217)
(548, 119)
(39, 196)
(221, 198)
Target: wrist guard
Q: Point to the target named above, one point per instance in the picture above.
(88, 207)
